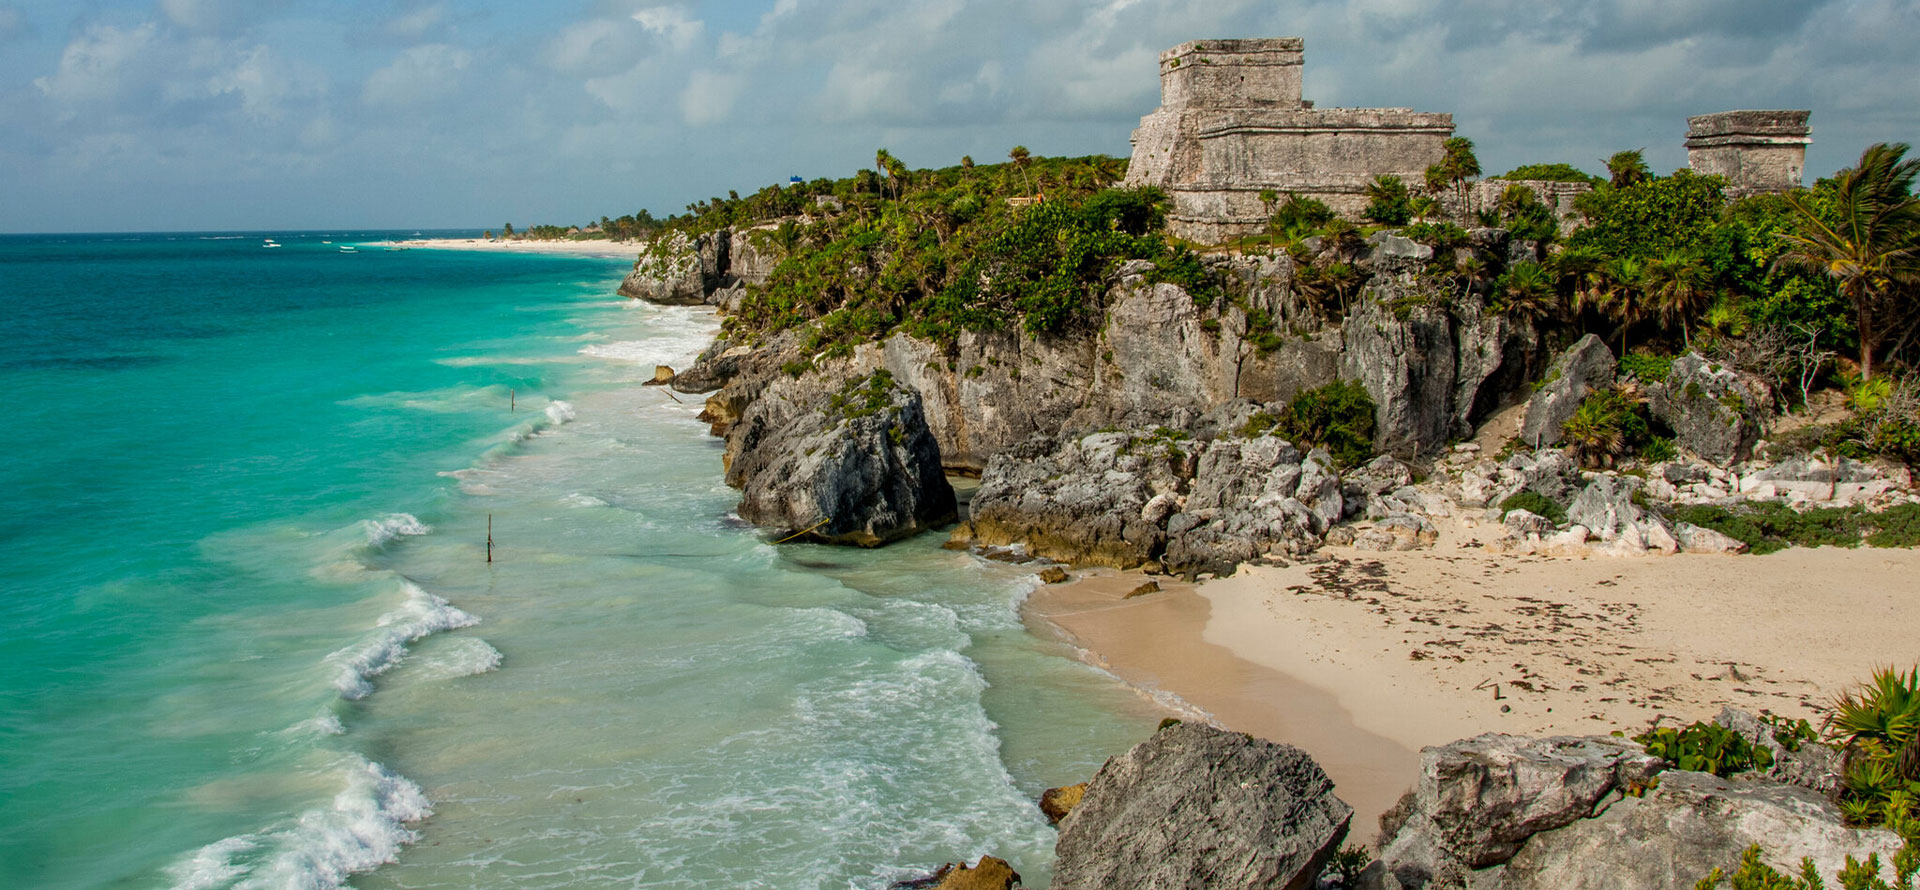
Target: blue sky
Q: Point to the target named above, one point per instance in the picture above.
(263, 114)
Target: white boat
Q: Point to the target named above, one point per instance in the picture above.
(270, 243)
(348, 248)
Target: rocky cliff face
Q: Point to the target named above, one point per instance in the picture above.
(856, 465)
(1162, 363)
(711, 268)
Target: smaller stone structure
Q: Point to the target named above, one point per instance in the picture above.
(1757, 151)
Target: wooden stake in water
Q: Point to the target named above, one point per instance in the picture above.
(489, 539)
(513, 402)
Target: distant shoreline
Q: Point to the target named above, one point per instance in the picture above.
(609, 249)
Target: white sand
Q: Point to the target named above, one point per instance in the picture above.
(616, 249)
(1364, 659)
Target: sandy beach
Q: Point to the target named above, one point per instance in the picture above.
(1364, 658)
(617, 249)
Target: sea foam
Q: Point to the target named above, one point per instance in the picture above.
(385, 530)
(365, 826)
(420, 615)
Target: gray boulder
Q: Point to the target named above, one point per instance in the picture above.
(1083, 502)
(1478, 800)
(1388, 246)
(852, 466)
(1812, 766)
(1586, 366)
(1245, 500)
(1606, 505)
(1198, 807)
(1694, 539)
(1710, 407)
(1487, 483)
(1688, 825)
(1367, 490)
(1521, 523)
(1401, 531)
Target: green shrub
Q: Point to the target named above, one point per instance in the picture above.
(1647, 368)
(1300, 217)
(863, 396)
(1880, 724)
(1337, 417)
(1440, 236)
(1389, 202)
(1537, 504)
(1549, 173)
(1771, 526)
(1344, 869)
(1753, 874)
(1706, 748)
(1184, 268)
(1607, 425)
(1897, 527)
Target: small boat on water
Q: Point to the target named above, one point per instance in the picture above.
(324, 241)
(270, 243)
(348, 248)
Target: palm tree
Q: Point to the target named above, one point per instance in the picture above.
(1526, 290)
(1424, 206)
(1678, 285)
(1618, 293)
(1871, 245)
(1626, 168)
(1021, 160)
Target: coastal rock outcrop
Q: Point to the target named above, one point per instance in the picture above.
(1158, 498)
(1687, 825)
(1195, 806)
(1586, 366)
(1478, 800)
(856, 465)
(669, 271)
(1710, 409)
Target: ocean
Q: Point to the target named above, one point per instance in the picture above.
(250, 638)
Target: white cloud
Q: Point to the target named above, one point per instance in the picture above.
(709, 97)
(414, 23)
(680, 29)
(419, 74)
(100, 65)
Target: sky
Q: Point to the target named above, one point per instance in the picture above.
(187, 115)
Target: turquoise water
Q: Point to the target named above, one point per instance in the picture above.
(249, 637)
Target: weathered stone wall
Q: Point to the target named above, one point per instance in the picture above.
(1232, 124)
(1228, 73)
(1485, 195)
(1757, 151)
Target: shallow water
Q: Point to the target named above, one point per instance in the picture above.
(252, 638)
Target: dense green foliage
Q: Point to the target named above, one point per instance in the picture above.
(1754, 874)
(1705, 748)
(1610, 424)
(1338, 417)
(1645, 367)
(1536, 503)
(1549, 173)
(1770, 526)
(1651, 218)
(1389, 202)
(1879, 724)
(964, 248)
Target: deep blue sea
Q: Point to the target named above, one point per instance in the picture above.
(249, 637)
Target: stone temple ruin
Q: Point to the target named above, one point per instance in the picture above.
(1757, 151)
(1232, 123)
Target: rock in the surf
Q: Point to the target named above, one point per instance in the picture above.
(854, 464)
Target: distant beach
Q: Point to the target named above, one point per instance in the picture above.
(616, 249)
(1367, 657)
